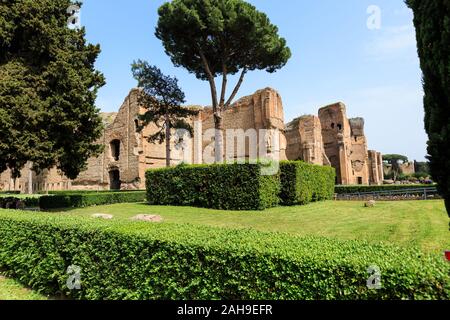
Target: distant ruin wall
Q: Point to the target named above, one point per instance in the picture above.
(327, 139)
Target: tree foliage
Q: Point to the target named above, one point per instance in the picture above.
(48, 89)
(162, 98)
(212, 38)
(432, 22)
(394, 160)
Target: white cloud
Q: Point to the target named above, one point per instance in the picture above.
(391, 43)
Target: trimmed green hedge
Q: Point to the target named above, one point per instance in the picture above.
(356, 189)
(89, 199)
(226, 187)
(15, 202)
(9, 192)
(70, 192)
(302, 183)
(135, 260)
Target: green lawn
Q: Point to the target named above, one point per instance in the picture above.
(407, 223)
(12, 290)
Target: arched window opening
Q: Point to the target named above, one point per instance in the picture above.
(136, 125)
(115, 149)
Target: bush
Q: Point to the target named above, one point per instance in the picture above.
(11, 203)
(226, 187)
(302, 183)
(361, 189)
(89, 199)
(132, 260)
(70, 192)
(9, 192)
(18, 202)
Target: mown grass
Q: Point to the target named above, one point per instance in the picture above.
(12, 290)
(423, 224)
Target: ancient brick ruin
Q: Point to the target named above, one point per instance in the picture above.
(329, 138)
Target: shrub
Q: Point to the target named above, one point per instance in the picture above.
(226, 187)
(302, 183)
(357, 189)
(132, 260)
(70, 192)
(11, 203)
(89, 199)
(9, 192)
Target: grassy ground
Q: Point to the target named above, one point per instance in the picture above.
(12, 290)
(424, 224)
(407, 223)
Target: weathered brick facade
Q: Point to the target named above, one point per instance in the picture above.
(327, 139)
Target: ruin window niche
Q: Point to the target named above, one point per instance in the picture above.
(360, 180)
(136, 125)
(339, 127)
(115, 149)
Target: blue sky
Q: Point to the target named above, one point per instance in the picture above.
(336, 57)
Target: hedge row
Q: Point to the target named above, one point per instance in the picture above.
(9, 192)
(226, 187)
(70, 192)
(302, 183)
(89, 199)
(356, 189)
(134, 260)
(239, 186)
(11, 202)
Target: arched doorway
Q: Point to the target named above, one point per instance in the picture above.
(114, 179)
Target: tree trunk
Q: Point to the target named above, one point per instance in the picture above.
(30, 180)
(168, 136)
(218, 141)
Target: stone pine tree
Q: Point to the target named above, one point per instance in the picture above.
(394, 160)
(162, 98)
(432, 22)
(212, 38)
(48, 89)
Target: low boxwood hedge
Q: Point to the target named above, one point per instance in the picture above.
(302, 183)
(89, 199)
(69, 192)
(356, 189)
(135, 260)
(226, 187)
(9, 192)
(15, 202)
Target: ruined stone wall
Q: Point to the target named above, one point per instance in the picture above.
(335, 135)
(47, 180)
(345, 145)
(361, 170)
(329, 139)
(304, 140)
(262, 110)
(405, 168)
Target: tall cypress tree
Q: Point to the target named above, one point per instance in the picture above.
(432, 22)
(48, 89)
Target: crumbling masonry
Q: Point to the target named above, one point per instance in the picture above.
(327, 139)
